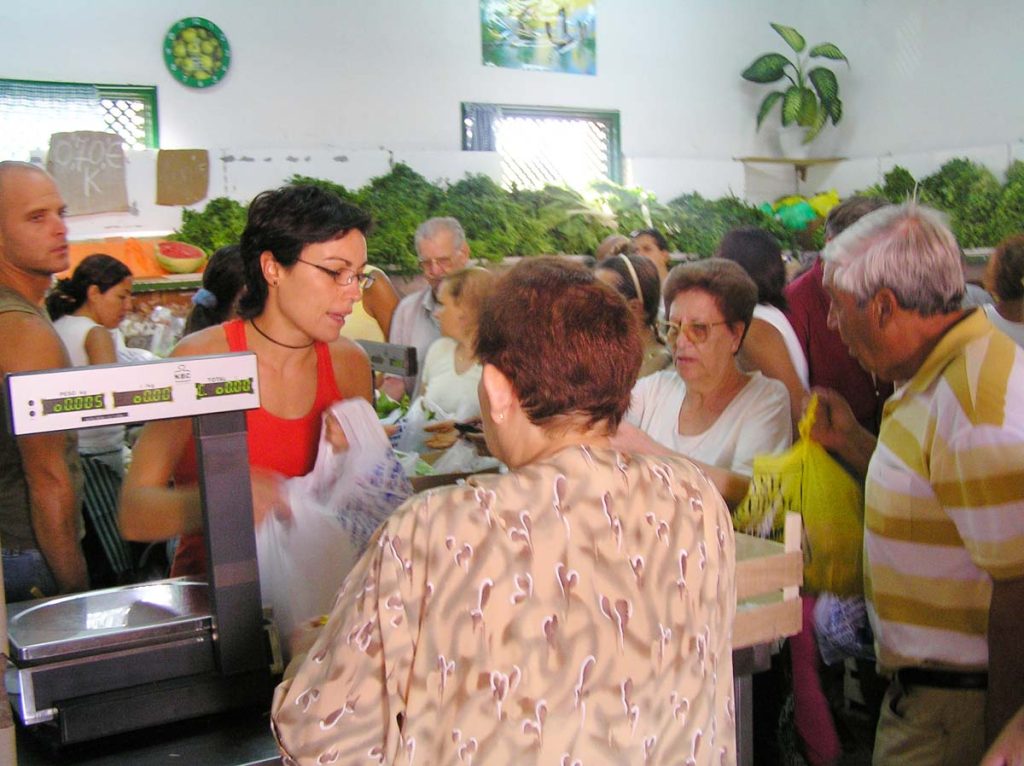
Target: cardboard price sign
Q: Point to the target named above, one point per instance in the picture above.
(88, 167)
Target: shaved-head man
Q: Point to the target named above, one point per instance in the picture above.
(40, 519)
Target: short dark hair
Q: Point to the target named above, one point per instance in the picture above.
(657, 236)
(224, 279)
(284, 221)
(568, 343)
(732, 288)
(1005, 269)
(69, 294)
(646, 274)
(760, 255)
(848, 212)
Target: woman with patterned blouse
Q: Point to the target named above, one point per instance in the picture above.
(575, 611)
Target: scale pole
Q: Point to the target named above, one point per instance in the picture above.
(234, 580)
(8, 749)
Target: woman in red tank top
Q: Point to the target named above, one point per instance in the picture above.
(304, 252)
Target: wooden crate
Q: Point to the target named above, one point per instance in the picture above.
(768, 579)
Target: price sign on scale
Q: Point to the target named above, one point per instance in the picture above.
(101, 395)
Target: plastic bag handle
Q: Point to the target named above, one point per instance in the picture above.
(807, 419)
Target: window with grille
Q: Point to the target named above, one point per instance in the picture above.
(31, 111)
(540, 146)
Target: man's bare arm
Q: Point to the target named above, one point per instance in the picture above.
(52, 497)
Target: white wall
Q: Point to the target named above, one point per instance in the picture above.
(325, 78)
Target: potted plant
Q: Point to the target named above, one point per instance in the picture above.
(812, 96)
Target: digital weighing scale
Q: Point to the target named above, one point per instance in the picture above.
(93, 664)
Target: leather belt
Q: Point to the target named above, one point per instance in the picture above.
(941, 679)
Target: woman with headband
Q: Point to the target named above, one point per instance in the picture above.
(636, 279)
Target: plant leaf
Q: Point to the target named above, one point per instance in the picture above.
(835, 110)
(819, 122)
(793, 38)
(768, 68)
(791, 105)
(825, 84)
(808, 108)
(767, 104)
(829, 51)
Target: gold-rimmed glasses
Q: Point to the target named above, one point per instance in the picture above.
(695, 332)
(343, 277)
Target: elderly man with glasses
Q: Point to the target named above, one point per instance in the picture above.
(442, 249)
(944, 501)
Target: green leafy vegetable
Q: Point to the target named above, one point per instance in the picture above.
(219, 224)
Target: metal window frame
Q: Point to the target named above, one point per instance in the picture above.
(145, 93)
(608, 117)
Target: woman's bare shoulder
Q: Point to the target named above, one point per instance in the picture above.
(210, 340)
(351, 368)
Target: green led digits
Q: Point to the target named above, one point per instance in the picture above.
(73, 404)
(224, 388)
(142, 396)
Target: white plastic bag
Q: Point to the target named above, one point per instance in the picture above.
(361, 486)
(302, 564)
(412, 428)
(462, 457)
(336, 508)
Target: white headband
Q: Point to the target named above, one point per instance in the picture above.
(632, 273)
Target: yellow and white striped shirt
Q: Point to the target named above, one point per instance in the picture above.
(944, 501)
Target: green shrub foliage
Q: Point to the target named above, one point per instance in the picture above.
(219, 224)
(502, 223)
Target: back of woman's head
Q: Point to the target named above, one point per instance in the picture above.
(1005, 271)
(223, 280)
(70, 294)
(760, 255)
(471, 289)
(635, 272)
(568, 343)
(284, 221)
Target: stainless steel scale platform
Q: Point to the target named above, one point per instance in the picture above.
(94, 664)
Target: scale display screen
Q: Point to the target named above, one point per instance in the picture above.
(224, 388)
(143, 396)
(98, 395)
(81, 403)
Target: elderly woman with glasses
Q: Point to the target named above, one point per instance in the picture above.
(707, 408)
(576, 610)
(303, 254)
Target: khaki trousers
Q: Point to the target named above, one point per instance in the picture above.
(924, 726)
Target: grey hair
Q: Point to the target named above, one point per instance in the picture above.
(434, 226)
(907, 248)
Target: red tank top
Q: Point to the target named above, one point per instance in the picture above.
(286, 446)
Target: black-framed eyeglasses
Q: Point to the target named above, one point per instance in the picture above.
(695, 332)
(343, 277)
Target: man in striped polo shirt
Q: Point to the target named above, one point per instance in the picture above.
(944, 495)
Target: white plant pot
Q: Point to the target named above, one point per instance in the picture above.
(792, 147)
(791, 142)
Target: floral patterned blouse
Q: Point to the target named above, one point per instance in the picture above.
(574, 612)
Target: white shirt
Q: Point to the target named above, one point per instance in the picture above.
(1014, 329)
(755, 422)
(414, 323)
(451, 391)
(773, 316)
(73, 331)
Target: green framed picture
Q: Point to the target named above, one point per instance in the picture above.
(196, 52)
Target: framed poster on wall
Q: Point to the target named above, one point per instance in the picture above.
(540, 35)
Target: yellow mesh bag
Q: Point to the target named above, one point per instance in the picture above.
(807, 480)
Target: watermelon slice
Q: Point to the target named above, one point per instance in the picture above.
(179, 258)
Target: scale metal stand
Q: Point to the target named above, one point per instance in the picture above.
(94, 664)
